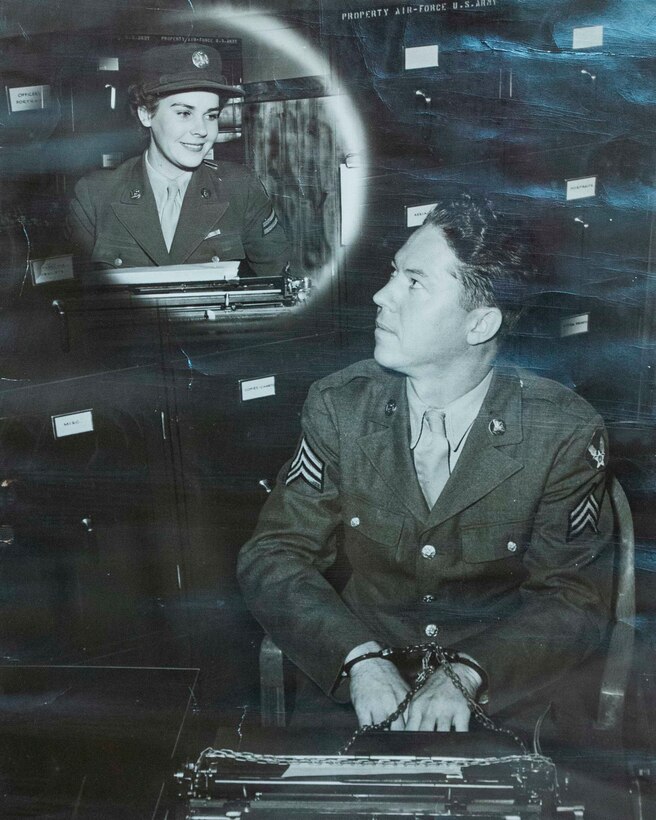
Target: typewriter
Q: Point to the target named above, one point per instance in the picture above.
(469, 778)
(205, 295)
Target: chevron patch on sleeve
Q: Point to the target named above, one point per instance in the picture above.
(306, 465)
(585, 514)
(269, 223)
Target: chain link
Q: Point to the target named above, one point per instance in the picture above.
(434, 657)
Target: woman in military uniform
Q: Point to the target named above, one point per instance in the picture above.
(172, 205)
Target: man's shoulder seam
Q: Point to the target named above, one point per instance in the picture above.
(557, 395)
(367, 369)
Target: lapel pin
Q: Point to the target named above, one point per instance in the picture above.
(497, 427)
(390, 407)
(135, 193)
(205, 193)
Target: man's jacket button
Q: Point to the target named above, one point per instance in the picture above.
(511, 546)
(431, 630)
(428, 599)
(428, 551)
(355, 521)
(118, 261)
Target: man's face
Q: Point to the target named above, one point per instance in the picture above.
(182, 130)
(421, 325)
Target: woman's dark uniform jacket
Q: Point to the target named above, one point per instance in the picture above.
(226, 213)
(513, 564)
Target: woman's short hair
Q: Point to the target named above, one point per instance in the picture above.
(139, 98)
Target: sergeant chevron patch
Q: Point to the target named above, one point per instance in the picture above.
(307, 465)
(269, 223)
(583, 515)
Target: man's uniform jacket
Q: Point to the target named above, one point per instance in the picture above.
(519, 573)
(225, 213)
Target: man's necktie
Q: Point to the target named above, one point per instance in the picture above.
(170, 213)
(431, 456)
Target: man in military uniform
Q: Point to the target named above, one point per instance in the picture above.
(172, 205)
(471, 500)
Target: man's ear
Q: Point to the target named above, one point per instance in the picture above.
(145, 117)
(483, 324)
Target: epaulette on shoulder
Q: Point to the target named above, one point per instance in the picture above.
(557, 394)
(366, 368)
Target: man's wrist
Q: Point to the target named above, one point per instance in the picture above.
(370, 650)
(362, 649)
(473, 674)
(470, 679)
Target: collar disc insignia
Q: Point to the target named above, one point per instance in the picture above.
(497, 427)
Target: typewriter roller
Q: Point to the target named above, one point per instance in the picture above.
(201, 299)
(227, 784)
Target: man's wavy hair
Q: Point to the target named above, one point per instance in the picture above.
(496, 261)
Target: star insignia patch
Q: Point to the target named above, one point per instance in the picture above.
(306, 465)
(585, 514)
(596, 452)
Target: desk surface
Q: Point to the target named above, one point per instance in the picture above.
(90, 742)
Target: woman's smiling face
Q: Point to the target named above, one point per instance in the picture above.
(183, 129)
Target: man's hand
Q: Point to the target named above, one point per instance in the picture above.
(439, 705)
(377, 688)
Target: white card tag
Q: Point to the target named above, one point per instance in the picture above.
(415, 214)
(581, 188)
(108, 64)
(112, 160)
(53, 269)
(71, 424)
(572, 325)
(28, 98)
(421, 57)
(257, 388)
(588, 37)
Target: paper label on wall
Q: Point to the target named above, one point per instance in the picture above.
(350, 200)
(572, 325)
(28, 98)
(52, 269)
(71, 424)
(112, 160)
(421, 57)
(415, 214)
(588, 37)
(257, 388)
(581, 188)
(108, 64)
